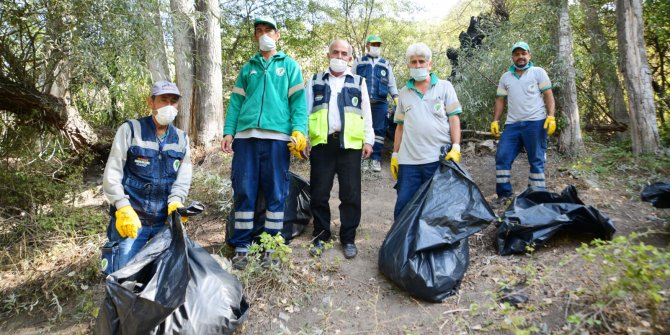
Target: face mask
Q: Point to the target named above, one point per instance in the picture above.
(375, 51)
(267, 43)
(165, 115)
(419, 74)
(338, 65)
(525, 67)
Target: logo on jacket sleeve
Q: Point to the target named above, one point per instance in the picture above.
(280, 71)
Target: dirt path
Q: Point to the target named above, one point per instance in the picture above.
(354, 298)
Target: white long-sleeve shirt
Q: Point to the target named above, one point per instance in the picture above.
(334, 122)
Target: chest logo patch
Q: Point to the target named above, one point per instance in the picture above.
(318, 97)
(437, 106)
(354, 101)
(176, 165)
(142, 162)
(532, 87)
(280, 71)
(253, 72)
(383, 73)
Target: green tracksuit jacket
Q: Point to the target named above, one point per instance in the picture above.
(268, 95)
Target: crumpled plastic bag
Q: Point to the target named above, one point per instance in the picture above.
(535, 216)
(426, 250)
(658, 194)
(172, 286)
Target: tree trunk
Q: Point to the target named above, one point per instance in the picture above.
(660, 87)
(570, 140)
(75, 128)
(634, 65)
(209, 88)
(183, 30)
(63, 114)
(156, 55)
(604, 66)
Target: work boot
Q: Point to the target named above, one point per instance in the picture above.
(317, 249)
(376, 165)
(240, 260)
(349, 250)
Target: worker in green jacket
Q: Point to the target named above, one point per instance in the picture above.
(267, 118)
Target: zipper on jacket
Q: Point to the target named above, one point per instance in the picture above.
(265, 78)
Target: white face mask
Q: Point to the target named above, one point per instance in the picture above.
(165, 115)
(375, 51)
(267, 43)
(419, 74)
(338, 65)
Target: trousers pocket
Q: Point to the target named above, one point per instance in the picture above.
(109, 257)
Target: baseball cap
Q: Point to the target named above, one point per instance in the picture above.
(522, 45)
(164, 87)
(373, 39)
(266, 20)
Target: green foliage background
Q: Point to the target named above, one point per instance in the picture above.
(41, 175)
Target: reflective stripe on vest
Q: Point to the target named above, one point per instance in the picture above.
(151, 168)
(138, 141)
(351, 114)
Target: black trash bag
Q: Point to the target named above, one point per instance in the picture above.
(426, 250)
(297, 213)
(172, 286)
(658, 194)
(535, 216)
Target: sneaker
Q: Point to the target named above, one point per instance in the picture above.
(365, 165)
(240, 260)
(270, 259)
(376, 166)
(317, 249)
(349, 250)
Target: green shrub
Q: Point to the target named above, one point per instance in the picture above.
(633, 278)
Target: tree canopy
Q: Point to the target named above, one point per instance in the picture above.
(108, 47)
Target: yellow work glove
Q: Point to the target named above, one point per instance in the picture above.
(395, 101)
(173, 206)
(495, 129)
(394, 165)
(127, 222)
(550, 125)
(454, 154)
(298, 144)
